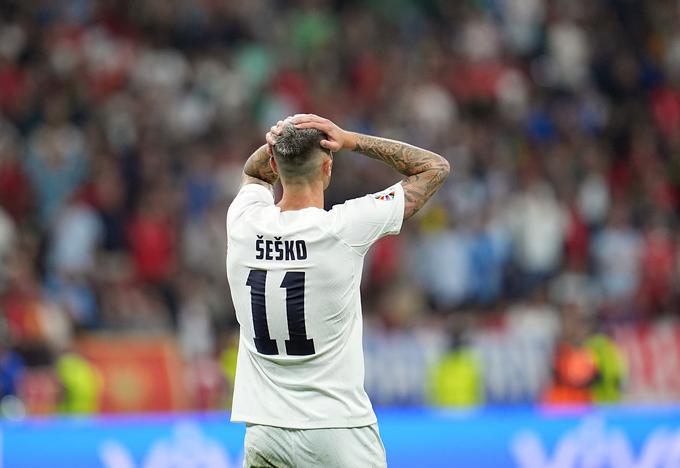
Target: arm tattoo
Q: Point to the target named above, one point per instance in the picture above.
(258, 170)
(425, 170)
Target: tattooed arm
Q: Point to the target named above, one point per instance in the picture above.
(425, 171)
(258, 170)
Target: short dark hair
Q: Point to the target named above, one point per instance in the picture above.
(296, 148)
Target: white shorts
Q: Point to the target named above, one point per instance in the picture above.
(276, 447)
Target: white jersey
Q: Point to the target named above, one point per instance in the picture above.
(294, 279)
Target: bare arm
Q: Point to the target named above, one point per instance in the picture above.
(257, 169)
(425, 171)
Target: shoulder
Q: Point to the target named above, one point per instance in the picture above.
(361, 221)
(373, 205)
(248, 197)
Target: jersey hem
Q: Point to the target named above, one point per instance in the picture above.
(288, 424)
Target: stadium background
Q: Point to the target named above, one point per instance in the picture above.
(545, 271)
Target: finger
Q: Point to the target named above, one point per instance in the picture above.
(310, 118)
(318, 125)
(330, 145)
(299, 118)
(276, 130)
(271, 139)
(303, 116)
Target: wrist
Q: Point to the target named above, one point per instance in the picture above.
(350, 141)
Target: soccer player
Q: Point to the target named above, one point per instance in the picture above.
(294, 271)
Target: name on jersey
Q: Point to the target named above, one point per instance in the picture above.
(278, 249)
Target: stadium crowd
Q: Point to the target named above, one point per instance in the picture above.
(124, 126)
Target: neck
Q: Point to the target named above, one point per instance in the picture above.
(302, 195)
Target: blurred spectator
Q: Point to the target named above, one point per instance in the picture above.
(15, 188)
(109, 199)
(593, 192)
(11, 369)
(75, 295)
(201, 186)
(441, 261)
(383, 263)
(204, 244)
(80, 382)
(76, 236)
(152, 241)
(54, 160)
(616, 251)
(456, 379)
(537, 223)
(489, 256)
(195, 330)
(7, 246)
(575, 366)
(657, 264)
(588, 367)
(35, 324)
(611, 369)
(227, 359)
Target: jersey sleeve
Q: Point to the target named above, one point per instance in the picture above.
(362, 221)
(250, 195)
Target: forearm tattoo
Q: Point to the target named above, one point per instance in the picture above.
(258, 166)
(425, 170)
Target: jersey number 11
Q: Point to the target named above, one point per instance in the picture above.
(294, 284)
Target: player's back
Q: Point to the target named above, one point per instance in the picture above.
(294, 279)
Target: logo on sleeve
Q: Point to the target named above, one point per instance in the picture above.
(385, 195)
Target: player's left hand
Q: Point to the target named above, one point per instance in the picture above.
(337, 137)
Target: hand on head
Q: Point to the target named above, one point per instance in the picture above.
(337, 138)
(275, 131)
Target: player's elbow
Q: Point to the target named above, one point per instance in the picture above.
(444, 166)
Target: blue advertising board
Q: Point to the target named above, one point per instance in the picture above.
(617, 437)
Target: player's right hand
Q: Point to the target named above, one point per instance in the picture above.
(274, 132)
(337, 138)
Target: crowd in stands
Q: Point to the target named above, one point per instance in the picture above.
(124, 126)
